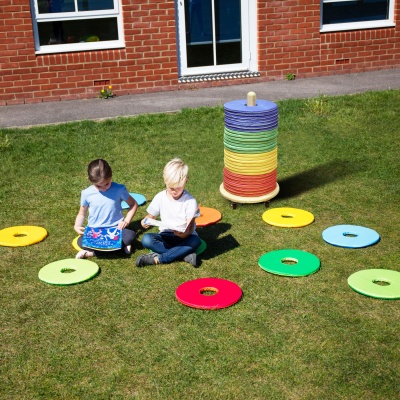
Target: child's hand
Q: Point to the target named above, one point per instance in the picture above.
(189, 230)
(122, 224)
(79, 229)
(182, 235)
(143, 224)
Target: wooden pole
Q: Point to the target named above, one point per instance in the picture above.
(251, 99)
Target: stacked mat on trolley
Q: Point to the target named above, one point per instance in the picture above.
(250, 151)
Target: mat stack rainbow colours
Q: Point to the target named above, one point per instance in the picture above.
(250, 150)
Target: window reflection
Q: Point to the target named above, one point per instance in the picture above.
(58, 6)
(355, 11)
(207, 39)
(93, 5)
(79, 31)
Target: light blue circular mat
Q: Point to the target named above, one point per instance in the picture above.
(140, 199)
(352, 236)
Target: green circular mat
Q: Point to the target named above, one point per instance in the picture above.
(288, 262)
(378, 283)
(68, 271)
(268, 136)
(253, 134)
(202, 247)
(252, 147)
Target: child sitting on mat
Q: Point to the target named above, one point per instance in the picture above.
(103, 201)
(177, 239)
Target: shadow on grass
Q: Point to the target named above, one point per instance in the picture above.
(216, 243)
(318, 176)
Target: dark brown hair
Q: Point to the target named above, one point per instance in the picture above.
(99, 170)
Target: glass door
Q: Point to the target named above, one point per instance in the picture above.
(214, 36)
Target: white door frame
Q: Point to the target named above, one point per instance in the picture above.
(249, 42)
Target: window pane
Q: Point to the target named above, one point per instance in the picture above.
(55, 6)
(199, 34)
(198, 19)
(92, 5)
(229, 53)
(228, 31)
(199, 55)
(227, 20)
(89, 30)
(355, 11)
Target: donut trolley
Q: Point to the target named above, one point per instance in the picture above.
(250, 151)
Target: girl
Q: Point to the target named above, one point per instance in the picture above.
(103, 201)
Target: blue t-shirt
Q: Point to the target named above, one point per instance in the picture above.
(104, 207)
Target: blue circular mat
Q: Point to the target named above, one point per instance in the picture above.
(140, 199)
(262, 106)
(351, 236)
(241, 117)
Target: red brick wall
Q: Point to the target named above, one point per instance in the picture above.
(289, 41)
(149, 62)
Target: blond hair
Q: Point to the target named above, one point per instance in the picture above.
(175, 173)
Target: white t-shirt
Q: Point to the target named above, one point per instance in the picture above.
(173, 213)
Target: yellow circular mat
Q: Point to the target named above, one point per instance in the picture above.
(250, 170)
(252, 157)
(16, 236)
(75, 244)
(287, 217)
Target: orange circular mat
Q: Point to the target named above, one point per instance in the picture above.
(208, 216)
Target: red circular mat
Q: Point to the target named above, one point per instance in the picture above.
(249, 185)
(224, 293)
(248, 193)
(249, 178)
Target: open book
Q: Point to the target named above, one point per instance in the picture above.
(155, 222)
(104, 239)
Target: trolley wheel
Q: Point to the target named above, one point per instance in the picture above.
(266, 204)
(234, 205)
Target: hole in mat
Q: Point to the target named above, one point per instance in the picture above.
(349, 234)
(208, 291)
(289, 261)
(381, 283)
(19, 234)
(287, 216)
(68, 270)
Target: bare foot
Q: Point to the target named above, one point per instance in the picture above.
(84, 254)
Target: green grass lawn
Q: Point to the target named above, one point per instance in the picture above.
(123, 335)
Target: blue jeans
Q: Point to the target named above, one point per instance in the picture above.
(169, 246)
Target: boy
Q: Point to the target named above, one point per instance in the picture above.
(177, 208)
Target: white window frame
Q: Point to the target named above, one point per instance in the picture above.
(384, 23)
(249, 43)
(76, 16)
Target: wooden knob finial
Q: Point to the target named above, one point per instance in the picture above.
(251, 99)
